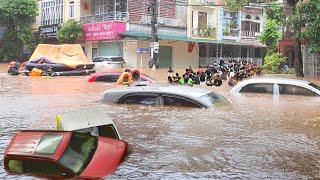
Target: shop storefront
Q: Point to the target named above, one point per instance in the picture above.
(103, 38)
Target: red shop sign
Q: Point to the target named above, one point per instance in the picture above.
(103, 30)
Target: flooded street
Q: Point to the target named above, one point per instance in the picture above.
(257, 136)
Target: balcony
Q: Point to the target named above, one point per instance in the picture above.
(208, 32)
(202, 2)
(250, 34)
(110, 16)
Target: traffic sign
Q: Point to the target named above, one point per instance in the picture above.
(142, 50)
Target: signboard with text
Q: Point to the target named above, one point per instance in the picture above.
(109, 30)
(49, 30)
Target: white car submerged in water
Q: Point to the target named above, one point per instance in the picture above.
(277, 86)
(164, 96)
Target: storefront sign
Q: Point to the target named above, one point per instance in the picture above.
(49, 30)
(103, 30)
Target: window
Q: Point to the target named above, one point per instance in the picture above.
(48, 143)
(257, 18)
(202, 20)
(79, 152)
(248, 17)
(178, 101)
(71, 9)
(37, 167)
(108, 131)
(51, 12)
(258, 88)
(214, 99)
(108, 78)
(139, 99)
(295, 90)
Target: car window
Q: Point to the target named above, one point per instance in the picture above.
(258, 88)
(48, 143)
(116, 59)
(139, 99)
(79, 152)
(108, 131)
(107, 78)
(178, 101)
(37, 167)
(295, 90)
(214, 99)
(98, 60)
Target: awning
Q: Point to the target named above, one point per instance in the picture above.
(143, 35)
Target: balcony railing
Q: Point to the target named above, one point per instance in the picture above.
(208, 32)
(250, 33)
(110, 16)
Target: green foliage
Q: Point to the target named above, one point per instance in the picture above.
(70, 32)
(207, 32)
(307, 17)
(275, 12)
(271, 35)
(16, 16)
(236, 5)
(273, 62)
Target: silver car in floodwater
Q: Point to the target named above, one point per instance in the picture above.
(277, 86)
(165, 96)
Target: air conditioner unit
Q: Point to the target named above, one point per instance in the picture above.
(161, 21)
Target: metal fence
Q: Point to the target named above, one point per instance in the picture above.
(110, 16)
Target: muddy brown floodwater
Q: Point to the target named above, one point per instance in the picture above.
(256, 137)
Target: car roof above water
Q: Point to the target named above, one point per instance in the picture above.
(83, 118)
(276, 80)
(174, 90)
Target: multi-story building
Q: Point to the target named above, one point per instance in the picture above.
(191, 32)
(222, 34)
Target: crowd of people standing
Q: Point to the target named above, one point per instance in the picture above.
(214, 75)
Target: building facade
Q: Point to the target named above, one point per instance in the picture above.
(191, 32)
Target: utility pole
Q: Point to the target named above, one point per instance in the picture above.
(154, 34)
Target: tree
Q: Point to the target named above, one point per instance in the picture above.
(16, 16)
(70, 32)
(271, 35)
(306, 17)
(296, 21)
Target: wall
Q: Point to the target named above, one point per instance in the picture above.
(180, 56)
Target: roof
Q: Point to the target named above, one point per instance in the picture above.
(185, 38)
(275, 80)
(26, 142)
(176, 90)
(81, 119)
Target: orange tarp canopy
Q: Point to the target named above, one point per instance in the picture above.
(68, 54)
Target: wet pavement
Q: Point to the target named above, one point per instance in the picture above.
(257, 136)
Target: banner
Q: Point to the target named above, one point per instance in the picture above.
(103, 30)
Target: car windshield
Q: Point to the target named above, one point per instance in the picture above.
(315, 86)
(214, 99)
(79, 152)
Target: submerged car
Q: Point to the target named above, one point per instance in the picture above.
(277, 86)
(93, 121)
(61, 154)
(113, 76)
(107, 62)
(164, 95)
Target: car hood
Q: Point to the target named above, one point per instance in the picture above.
(106, 159)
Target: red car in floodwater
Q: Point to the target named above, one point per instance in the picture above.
(112, 76)
(63, 155)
